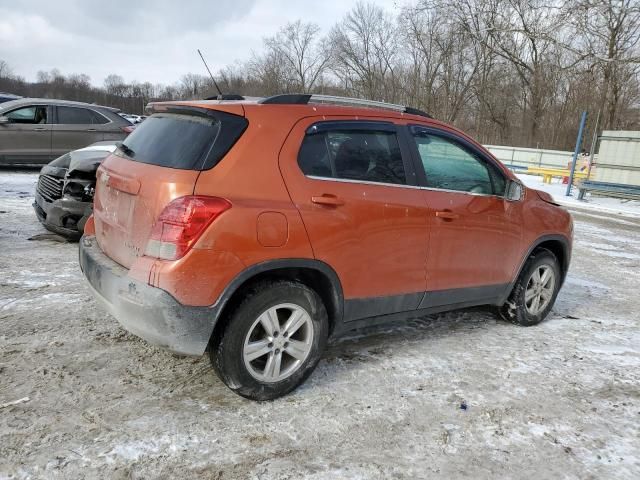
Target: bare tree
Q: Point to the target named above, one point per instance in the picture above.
(268, 70)
(611, 35)
(114, 84)
(364, 50)
(5, 70)
(305, 57)
(524, 33)
(193, 85)
(513, 72)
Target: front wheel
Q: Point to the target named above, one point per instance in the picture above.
(535, 290)
(272, 341)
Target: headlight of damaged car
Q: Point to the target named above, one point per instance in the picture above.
(79, 188)
(80, 180)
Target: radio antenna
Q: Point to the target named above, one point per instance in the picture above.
(210, 74)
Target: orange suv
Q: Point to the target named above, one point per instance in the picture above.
(255, 229)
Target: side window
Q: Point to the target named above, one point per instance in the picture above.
(98, 119)
(31, 114)
(75, 116)
(449, 166)
(365, 155)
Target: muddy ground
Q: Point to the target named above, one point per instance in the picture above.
(559, 400)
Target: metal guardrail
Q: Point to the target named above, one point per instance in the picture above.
(610, 189)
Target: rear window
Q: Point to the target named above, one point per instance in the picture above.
(191, 140)
(79, 116)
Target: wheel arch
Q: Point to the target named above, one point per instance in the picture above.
(314, 273)
(557, 244)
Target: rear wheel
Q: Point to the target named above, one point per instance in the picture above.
(272, 341)
(535, 290)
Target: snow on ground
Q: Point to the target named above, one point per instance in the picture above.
(559, 400)
(593, 202)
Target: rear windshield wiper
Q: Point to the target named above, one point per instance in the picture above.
(127, 150)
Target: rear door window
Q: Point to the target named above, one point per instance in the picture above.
(353, 153)
(191, 140)
(75, 116)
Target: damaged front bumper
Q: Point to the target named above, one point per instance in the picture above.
(64, 216)
(145, 311)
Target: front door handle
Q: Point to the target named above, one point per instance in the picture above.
(329, 200)
(447, 215)
(91, 130)
(39, 129)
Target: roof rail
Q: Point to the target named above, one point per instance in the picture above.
(304, 99)
(226, 96)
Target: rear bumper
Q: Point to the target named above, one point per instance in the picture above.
(145, 311)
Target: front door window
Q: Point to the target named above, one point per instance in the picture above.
(30, 115)
(449, 166)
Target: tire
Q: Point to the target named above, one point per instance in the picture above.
(247, 333)
(520, 308)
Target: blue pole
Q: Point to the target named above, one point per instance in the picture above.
(583, 120)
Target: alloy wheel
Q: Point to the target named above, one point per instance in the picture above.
(278, 342)
(540, 288)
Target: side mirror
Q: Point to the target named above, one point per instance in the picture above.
(4, 119)
(514, 192)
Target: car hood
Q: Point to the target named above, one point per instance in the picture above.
(57, 167)
(87, 164)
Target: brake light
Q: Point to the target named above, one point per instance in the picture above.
(128, 129)
(181, 223)
(89, 226)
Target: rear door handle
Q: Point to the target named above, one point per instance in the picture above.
(91, 130)
(446, 215)
(329, 200)
(39, 129)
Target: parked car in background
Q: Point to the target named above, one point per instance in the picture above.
(65, 188)
(134, 119)
(8, 97)
(254, 230)
(35, 131)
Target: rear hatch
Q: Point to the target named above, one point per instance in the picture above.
(159, 162)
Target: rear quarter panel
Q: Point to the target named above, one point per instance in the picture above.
(249, 177)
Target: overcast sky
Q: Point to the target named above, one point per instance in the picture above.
(147, 40)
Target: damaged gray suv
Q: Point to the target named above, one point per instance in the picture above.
(64, 193)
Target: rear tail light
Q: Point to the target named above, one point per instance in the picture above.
(181, 223)
(128, 128)
(89, 226)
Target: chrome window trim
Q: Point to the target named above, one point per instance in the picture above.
(363, 182)
(399, 185)
(474, 194)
